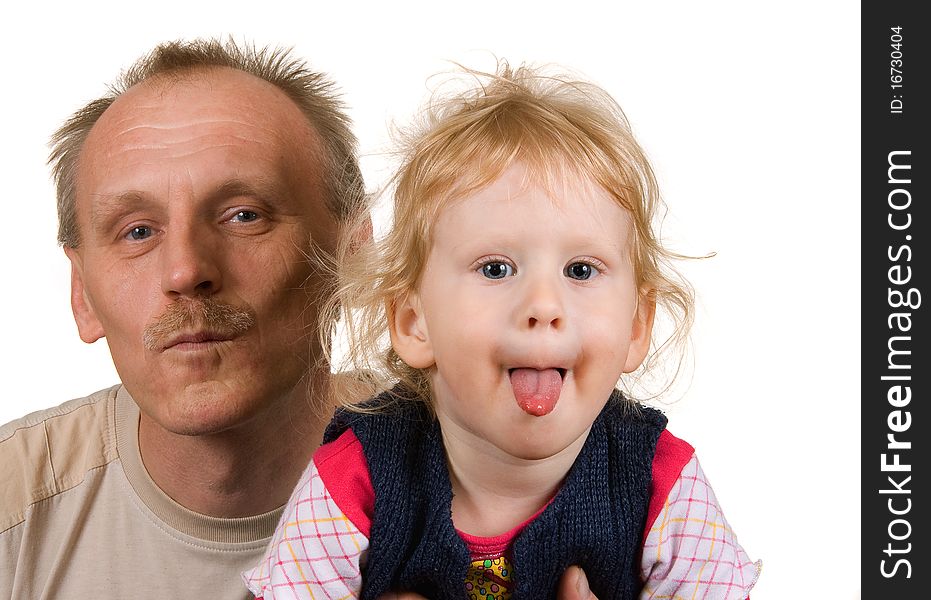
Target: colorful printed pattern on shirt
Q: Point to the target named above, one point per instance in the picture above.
(489, 579)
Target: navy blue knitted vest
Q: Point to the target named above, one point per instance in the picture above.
(595, 521)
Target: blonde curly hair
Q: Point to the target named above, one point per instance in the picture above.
(553, 124)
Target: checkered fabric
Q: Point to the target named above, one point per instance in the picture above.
(315, 552)
(690, 551)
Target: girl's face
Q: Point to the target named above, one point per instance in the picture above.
(526, 315)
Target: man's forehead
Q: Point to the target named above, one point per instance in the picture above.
(179, 120)
(166, 102)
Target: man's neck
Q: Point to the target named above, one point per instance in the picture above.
(244, 471)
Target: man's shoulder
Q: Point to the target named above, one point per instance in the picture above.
(50, 451)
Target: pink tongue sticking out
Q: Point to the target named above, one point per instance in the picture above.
(536, 391)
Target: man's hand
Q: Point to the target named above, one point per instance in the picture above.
(572, 586)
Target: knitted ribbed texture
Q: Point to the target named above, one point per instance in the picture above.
(596, 520)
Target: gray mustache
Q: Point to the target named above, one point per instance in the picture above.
(203, 314)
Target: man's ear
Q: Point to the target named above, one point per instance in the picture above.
(361, 233)
(409, 335)
(641, 331)
(89, 327)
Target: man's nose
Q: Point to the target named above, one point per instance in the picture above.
(189, 263)
(543, 305)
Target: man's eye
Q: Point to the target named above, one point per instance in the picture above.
(497, 270)
(245, 216)
(580, 271)
(139, 233)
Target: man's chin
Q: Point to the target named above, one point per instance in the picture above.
(201, 413)
(200, 424)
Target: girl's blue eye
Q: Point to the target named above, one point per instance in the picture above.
(140, 233)
(580, 271)
(497, 270)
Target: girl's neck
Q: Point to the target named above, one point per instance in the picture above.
(494, 492)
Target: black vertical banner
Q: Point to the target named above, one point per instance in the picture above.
(895, 269)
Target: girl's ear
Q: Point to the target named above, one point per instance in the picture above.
(641, 330)
(409, 335)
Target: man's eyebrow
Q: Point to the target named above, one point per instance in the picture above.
(267, 190)
(110, 207)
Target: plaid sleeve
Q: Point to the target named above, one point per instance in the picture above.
(315, 551)
(690, 550)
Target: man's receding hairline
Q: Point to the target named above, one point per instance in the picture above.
(164, 82)
(183, 74)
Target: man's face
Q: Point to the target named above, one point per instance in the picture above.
(200, 196)
(528, 310)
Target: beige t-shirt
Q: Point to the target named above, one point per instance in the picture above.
(80, 517)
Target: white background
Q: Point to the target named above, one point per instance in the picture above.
(750, 113)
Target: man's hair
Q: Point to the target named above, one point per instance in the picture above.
(558, 127)
(312, 92)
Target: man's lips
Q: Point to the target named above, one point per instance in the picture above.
(195, 340)
(200, 321)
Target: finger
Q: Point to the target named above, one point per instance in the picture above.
(574, 586)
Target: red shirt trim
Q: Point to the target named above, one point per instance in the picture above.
(672, 454)
(345, 473)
